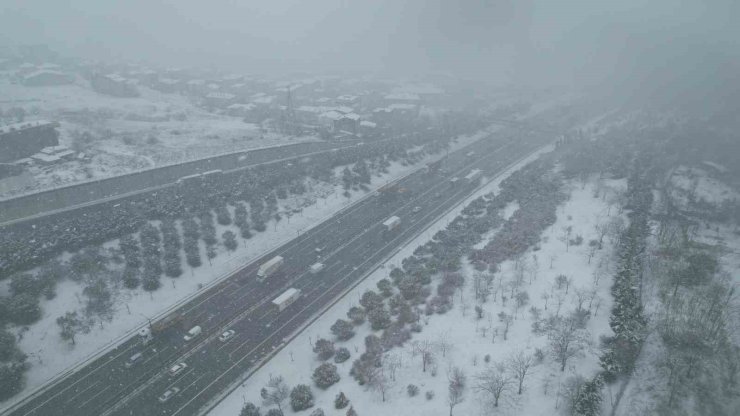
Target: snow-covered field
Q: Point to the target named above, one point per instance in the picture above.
(648, 384)
(698, 185)
(120, 135)
(470, 338)
(49, 355)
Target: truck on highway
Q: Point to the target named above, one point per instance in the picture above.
(473, 176)
(269, 267)
(172, 321)
(286, 299)
(454, 181)
(391, 191)
(433, 167)
(391, 223)
(316, 268)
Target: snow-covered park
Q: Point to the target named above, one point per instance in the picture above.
(468, 339)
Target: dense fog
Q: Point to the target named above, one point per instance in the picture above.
(369, 207)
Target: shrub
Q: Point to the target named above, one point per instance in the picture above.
(325, 375)
(301, 398)
(412, 390)
(341, 401)
(356, 314)
(342, 329)
(429, 394)
(324, 348)
(342, 355)
(250, 409)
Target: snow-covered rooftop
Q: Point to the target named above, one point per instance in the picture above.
(43, 72)
(403, 96)
(221, 96)
(24, 125)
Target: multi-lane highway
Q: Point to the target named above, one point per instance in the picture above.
(39, 204)
(353, 242)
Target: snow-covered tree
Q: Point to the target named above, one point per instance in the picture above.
(301, 398)
(494, 381)
(341, 401)
(323, 348)
(69, 324)
(250, 409)
(342, 329)
(325, 375)
(275, 392)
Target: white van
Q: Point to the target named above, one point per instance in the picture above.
(194, 332)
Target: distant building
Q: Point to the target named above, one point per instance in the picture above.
(349, 123)
(167, 85)
(220, 99)
(46, 78)
(22, 140)
(240, 110)
(403, 97)
(348, 99)
(115, 85)
(197, 86)
(146, 77)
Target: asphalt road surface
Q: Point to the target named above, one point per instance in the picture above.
(353, 242)
(39, 204)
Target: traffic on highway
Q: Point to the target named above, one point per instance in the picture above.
(182, 363)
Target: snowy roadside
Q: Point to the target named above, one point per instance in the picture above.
(51, 357)
(296, 360)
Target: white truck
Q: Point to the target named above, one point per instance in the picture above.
(284, 300)
(316, 268)
(473, 176)
(269, 267)
(391, 223)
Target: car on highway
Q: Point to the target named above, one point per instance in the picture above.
(226, 335)
(177, 368)
(134, 359)
(194, 332)
(167, 395)
(416, 209)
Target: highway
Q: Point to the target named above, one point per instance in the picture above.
(38, 204)
(353, 243)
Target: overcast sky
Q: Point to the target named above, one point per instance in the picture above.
(527, 41)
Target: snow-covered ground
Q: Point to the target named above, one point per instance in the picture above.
(459, 327)
(696, 183)
(50, 356)
(126, 134)
(649, 382)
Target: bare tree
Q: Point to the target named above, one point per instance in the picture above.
(494, 381)
(545, 296)
(507, 320)
(392, 362)
(456, 387)
(559, 299)
(580, 295)
(275, 393)
(424, 350)
(601, 231)
(520, 365)
(443, 343)
(566, 341)
(378, 381)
